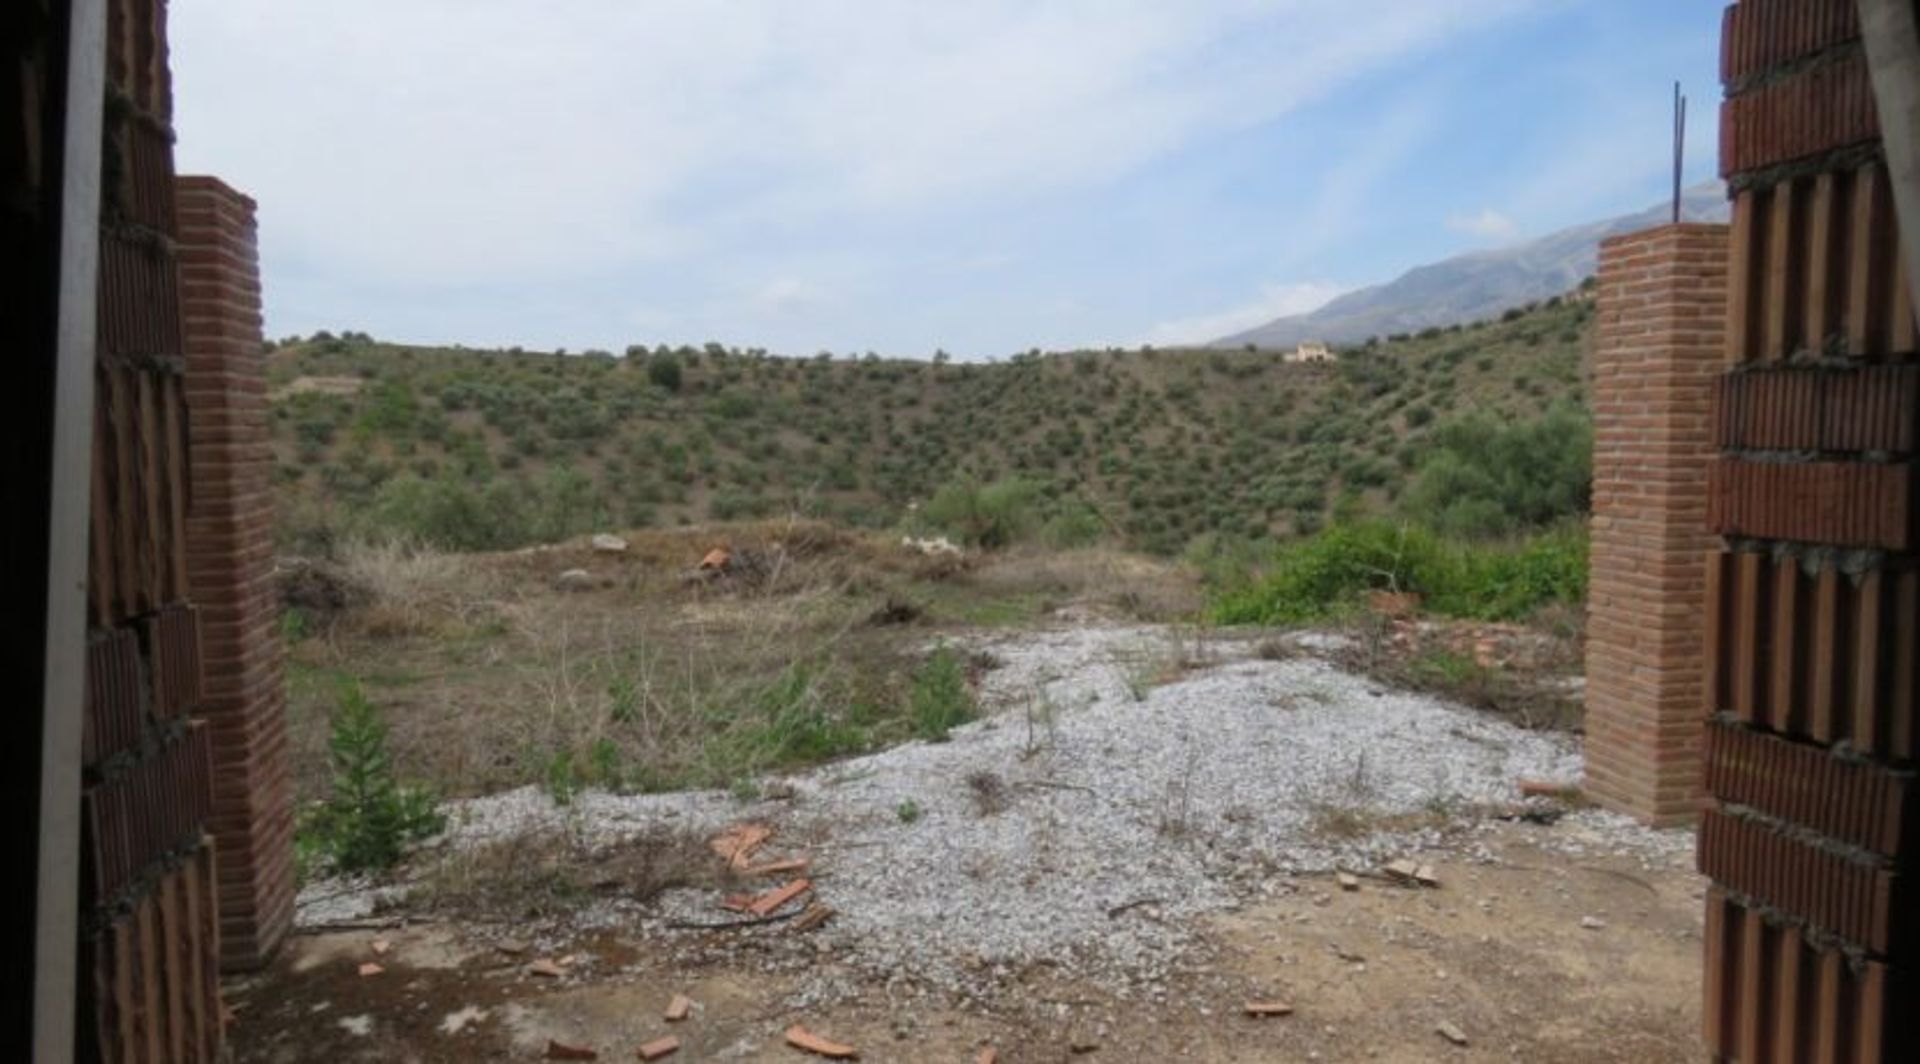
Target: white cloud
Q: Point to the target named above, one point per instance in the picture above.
(447, 142)
(1274, 301)
(1485, 224)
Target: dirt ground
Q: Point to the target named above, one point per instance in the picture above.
(1535, 955)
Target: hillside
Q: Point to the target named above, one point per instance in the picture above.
(1477, 285)
(487, 449)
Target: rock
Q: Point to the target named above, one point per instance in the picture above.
(574, 580)
(1593, 923)
(1348, 881)
(1269, 1008)
(558, 1050)
(1452, 1033)
(370, 968)
(1425, 876)
(1403, 870)
(604, 543)
(679, 1008)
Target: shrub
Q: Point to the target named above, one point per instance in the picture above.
(1074, 524)
(367, 822)
(664, 372)
(1484, 478)
(990, 517)
(1310, 579)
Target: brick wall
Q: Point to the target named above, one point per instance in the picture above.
(149, 938)
(1813, 599)
(1661, 304)
(230, 567)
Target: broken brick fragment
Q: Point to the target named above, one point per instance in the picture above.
(558, 1050)
(780, 868)
(679, 1008)
(771, 902)
(1262, 1009)
(800, 1038)
(816, 914)
(736, 844)
(660, 1047)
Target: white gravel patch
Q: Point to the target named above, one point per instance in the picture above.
(1127, 810)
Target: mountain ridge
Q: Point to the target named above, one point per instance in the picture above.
(1475, 285)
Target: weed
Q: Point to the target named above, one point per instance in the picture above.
(562, 781)
(940, 699)
(908, 810)
(1040, 713)
(608, 771)
(989, 792)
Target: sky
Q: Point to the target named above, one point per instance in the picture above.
(899, 176)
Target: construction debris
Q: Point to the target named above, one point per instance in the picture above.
(780, 868)
(679, 1008)
(987, 1055)
(1425, 876)
(381, 946)
(1348, 881)
(370, 968)
(770, 902)
(800, 1038)
(717, 560)
(1451, 1033)
(816, 914)
(736, 844)
(660, 1047)
(546, 968)
(606, 543)
(1263, 1009)
(558, 1050)
(1547, 789)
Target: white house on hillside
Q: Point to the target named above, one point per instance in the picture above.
(1309, 351)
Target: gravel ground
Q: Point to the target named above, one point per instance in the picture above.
(1090, 814)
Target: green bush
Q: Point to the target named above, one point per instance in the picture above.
(1311, 579)
(368, 820)
(1485, 478)
(990, 517)
(1074, 524)
(664, 372)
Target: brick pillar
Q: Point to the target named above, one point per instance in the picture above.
(230, 568)
(1811, 834)
(1662, 309)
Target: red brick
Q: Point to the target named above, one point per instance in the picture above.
(1819, 109)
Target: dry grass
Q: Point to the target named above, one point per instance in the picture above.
(540, 873)
(1109, 582)
(657, 677)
